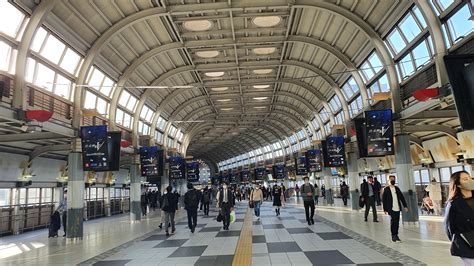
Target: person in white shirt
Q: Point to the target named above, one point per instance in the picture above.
(393, 200)
(434, 191)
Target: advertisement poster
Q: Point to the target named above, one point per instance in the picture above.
(379, 132)
(149, 161)
(192, 170)
(313, 158)
(301, 165)
(260, 173)
(95, 152)
(176, 167)
(335, 151)
(279, 171)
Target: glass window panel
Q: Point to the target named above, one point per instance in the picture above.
(367, 71)
(33, 195)
(123, 100)
(159, 137)
(30, 70)
(419, 16)
(144, 112)
(445, 174)
(416, 176)
(406, 66)
(119, 117)
(335, 103)
(70, 61)
(383, 83)
(375, 62)
(444, 4)
(396, 41)
(90, 100)
(11, 17)
(96, 79)
(38, 39)
(131, 103)
(53, 49)
(421, 54)
(425, 176)
(45, 77)
(62, 87)
(455, 169)
(46, 195)
(409, 27)
(459, 24)
(102, 106)
(5, 196)
(5, 55)
(324, 115)
(107, 86)
(161, 123)
(127, 120)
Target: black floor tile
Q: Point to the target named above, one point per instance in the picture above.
(381, 263)
(304, 230)
(111, 262)
(273, 226)
(171, 243)
(259, 239)
(333, 236)
(328, 257)
(210, 229)
(156, 237)
(279, 247)
(228, 233)
(193, 251)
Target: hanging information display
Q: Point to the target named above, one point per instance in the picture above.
(314, 161)
(260, 173)
(244, 176)
(279, 171)
(95, 150)
(334, 151)
(176, 167)
(149, 161)
(113, 147)
(301, 165)
(379, 132)
(192, 171)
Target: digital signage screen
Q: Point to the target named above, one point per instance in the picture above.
(95, 150)
(244, 176)
(301, 165)
(314, 161)
(334, 151)
(176, 167)
(260, 173)
(279, 171)
(359, 124)
(192, 171)
(113, 147)
(379, 132)
(149, 161)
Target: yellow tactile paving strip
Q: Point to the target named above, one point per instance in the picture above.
(243, 252)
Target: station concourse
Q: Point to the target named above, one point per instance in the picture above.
(118, 115)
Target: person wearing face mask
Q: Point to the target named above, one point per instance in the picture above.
(393, 200)
(459, 219)
(434, 191)
(256, 196)
(368, 197)
(307, 192)
(225, 202)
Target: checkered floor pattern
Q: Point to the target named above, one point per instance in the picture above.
(283, 240)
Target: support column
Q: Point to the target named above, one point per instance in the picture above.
(135, 193)
(75, 197)
(165, 180)
(107, 203)
(17, 213)
(328, 184)
(405, 177)
(353, 180)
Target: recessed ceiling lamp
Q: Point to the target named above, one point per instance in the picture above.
(266, 21)
(264, 50)
(259, 107)
(227, 109)
(262, 71)
(235, 133)
(220, 89)
(261, 86)
(224, 100)
(197, 25)
(214, 74)
(260, 98)
(207, 54)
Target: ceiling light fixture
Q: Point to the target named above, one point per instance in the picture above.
(262, 71)
(264, 50)
(260, 98)
(227, 109)
(215, 74)
(197, 25)
(207, 54)
(266, 21)
(261, 86)
(220, 89)
(224, 100)
(259, 107)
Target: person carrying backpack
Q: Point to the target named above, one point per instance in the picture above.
(170, 205)
(191, 204)
(206, 200)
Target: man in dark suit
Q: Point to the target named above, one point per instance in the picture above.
(225, 202)
(368, 196)
(393, 200)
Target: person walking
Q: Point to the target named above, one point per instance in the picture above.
(256, 196)
(307, 192)
(206, 199)
(170, 206)
(283, 189)
(434, 192)
(225, 204)
(62, 208)
(162, 212)
(278, 200)
(344, 192)
(368, 196)
(191, 204)
(459, 219)
(393, 200)
(297, 190)
(144, 203)
(378, 190)
(316, 194)
(323, 191)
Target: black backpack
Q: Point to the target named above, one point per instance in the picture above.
(193, 198)
(206, 197)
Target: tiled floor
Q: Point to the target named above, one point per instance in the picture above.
(337, 237)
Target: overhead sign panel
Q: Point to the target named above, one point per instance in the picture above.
(176, 167)
(95, 150)
(314, 161)
(301, 165)
(379, 132)
(334, 151)
(192, 171)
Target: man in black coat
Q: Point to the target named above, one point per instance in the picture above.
(191, 203)
(393, 200)
(378, 189)
(368, 196)
(225, 202)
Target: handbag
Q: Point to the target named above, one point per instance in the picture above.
(220, 217)
(468, 237)
(361, 202)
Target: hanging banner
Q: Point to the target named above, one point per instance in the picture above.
(279, 171)
(95, 152)
(379, 132)
(314, 160)
(149, 161)
(176, 167)
(334, 151)
(260, 173)
(301, 165)
(192, 171)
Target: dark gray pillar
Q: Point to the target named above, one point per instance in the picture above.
(405, 177)
(75, 197)
(353, 179)
(135, 193)
(328, 184)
